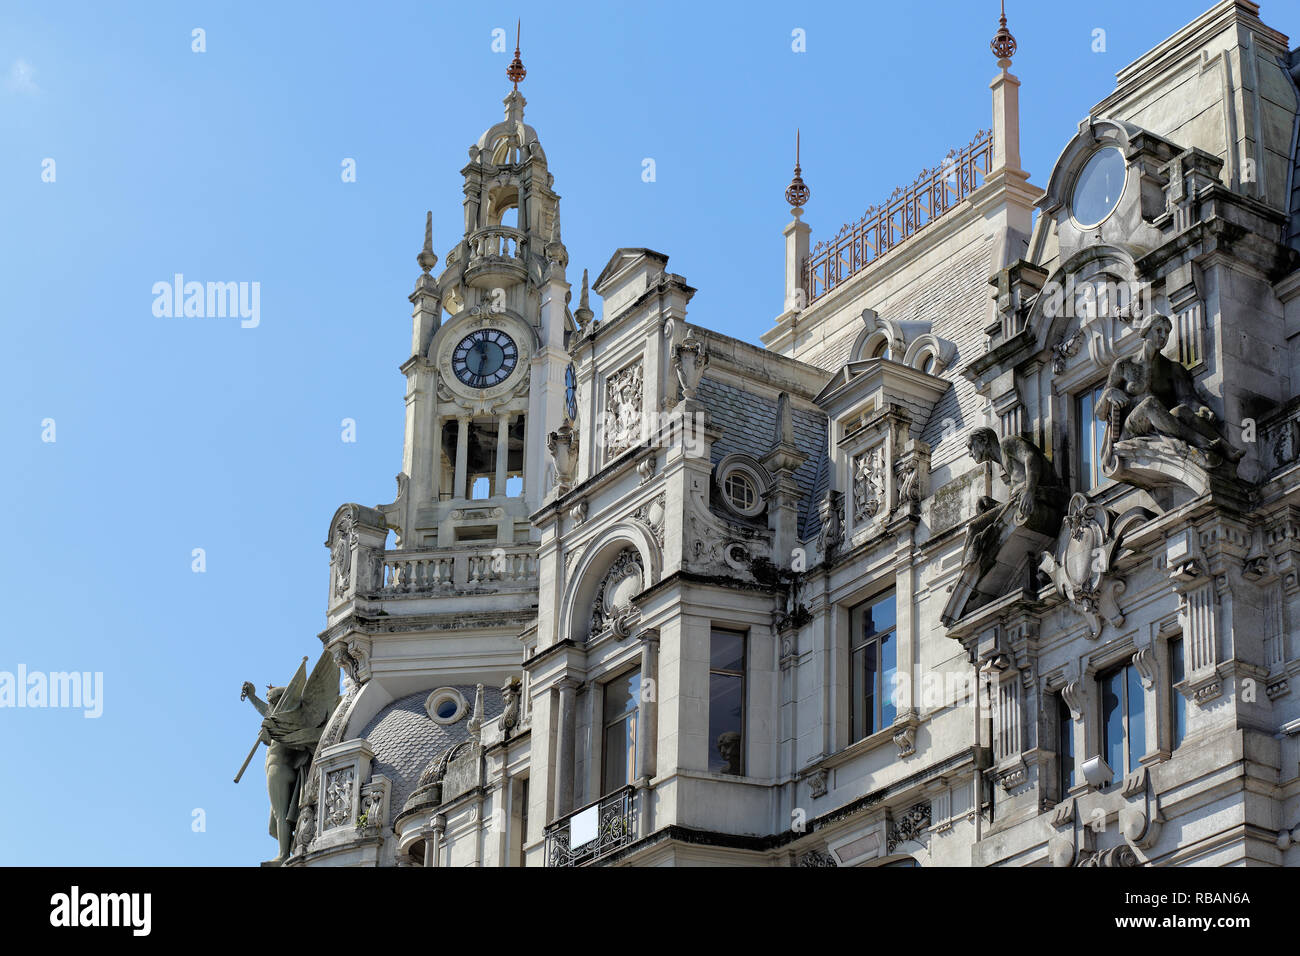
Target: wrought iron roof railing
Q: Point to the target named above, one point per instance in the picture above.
(907, 212)
(593, 831)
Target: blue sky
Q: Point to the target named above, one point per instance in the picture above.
(173, 434)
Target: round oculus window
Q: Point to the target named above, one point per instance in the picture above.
(740, 492)
(446, 705)
(1099, 186)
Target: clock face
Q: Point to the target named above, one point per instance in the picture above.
(571, 394)
(484, 358)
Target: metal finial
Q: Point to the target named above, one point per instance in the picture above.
(797, 193)
(515, 71)
(584, 313)
(1003, 43)
(426, 259)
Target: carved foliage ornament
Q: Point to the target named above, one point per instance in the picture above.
(612, 608)
(908, 826)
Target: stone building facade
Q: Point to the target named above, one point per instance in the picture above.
(988, 557)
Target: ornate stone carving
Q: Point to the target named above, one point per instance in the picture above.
(612, 607)
(622, 410)
(1067, 348)
(690, 359)
(510, 703)
(907, 483)
(578, 512)
(817, 783)
(338, 797)
(831, 511)
(563, 446)
(1081, 568)
(646, 468)
(1159, 431)
(868, 484)
(1121, 855)
(1001, 534)
(908, 826)
(905, 741)
(817, 858)
(345, 539)
(651, 514)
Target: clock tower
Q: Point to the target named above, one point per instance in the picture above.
(486, 379)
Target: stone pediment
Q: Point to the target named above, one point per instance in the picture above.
(879, 383)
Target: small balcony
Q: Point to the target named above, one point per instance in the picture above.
(445, 572)
(593, 832)
(496, 257)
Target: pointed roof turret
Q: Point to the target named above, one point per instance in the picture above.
(427, 259)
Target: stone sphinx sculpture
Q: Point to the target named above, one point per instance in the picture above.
(1159, 430)
(1002, 536)
(293, 718)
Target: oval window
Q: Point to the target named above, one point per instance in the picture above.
(1099, 186)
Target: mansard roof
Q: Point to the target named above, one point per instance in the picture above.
(405, 738)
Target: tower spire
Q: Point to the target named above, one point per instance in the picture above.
(427, 259)
(797, 193)
(515, 71)
(1003, 43)
(584, 313)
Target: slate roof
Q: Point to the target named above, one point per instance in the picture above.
(748, 422)
(405, 738)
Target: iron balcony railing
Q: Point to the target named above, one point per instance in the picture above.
(594, 831)
(907, 212)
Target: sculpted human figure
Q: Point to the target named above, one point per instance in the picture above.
(293, 719)
(1028, 476)
(285, 763)
(1147, 395)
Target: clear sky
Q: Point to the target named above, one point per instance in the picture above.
(172, 434)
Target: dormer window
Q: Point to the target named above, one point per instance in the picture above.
(1099, 187)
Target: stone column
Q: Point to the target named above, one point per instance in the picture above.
(462, 458)
(435, 479)
(433, 842)
(503, 454)
(796, 251)
(648, 710)
(647, 731)
(430, 848)
(1006, 121)
(565, 747)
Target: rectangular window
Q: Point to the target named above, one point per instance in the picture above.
(1065, 744)
(1177, 702)
(622, 700)
(1092, 432)
(726, 702)
(873, 661)
(1123, 719)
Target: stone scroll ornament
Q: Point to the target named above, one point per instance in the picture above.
(1001, 534)
(1082, 568)
(1159, 430)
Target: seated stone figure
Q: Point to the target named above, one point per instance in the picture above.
(1148, 396)
(1002, 534)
